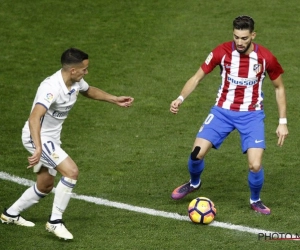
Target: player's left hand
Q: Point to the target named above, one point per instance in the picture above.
(282, 133)
(124, 101)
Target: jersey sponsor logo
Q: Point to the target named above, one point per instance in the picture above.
(242, 81)
(69, 107)
(209, 57)
(257, 68)
(49, 97)
(60, 114)
(65, 113)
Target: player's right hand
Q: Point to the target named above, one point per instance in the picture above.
(34, 159)
(174, 107)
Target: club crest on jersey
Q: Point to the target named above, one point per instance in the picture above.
(257, 68)
(209, 57)
(55, 156)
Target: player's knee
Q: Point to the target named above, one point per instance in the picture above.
(195, 154)
(73, 173)
(254, 167)
(68, 169)
(45, 181)
(48, 189)
(45, 187)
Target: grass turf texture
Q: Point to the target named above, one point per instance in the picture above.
(147, 49)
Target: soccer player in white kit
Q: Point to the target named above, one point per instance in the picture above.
(54, 99)
(239, 105)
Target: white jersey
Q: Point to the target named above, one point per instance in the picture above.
(58, 100)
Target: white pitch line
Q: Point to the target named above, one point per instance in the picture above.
(100, 201)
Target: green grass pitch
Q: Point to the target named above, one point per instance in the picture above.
(137, 156)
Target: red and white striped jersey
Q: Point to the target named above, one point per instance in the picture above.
(242, 75)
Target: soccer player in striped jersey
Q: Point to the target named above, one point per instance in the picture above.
(54, 99)
(239, 105)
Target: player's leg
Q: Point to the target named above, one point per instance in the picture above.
(256, 172)
(251, 129)
(256, 179)
(30, 197)
(63, 192)
(64, 188)
(45, 176)
(56, 159)
(212, 133)
(196, 160)
(195, 167)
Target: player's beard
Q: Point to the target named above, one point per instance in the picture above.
(244, 50)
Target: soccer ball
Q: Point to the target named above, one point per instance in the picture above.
(202, 210)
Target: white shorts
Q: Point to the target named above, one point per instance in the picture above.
(52, 154)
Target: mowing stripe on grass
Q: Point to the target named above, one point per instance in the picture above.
(99, 201)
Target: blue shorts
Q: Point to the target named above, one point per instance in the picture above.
(221, 122)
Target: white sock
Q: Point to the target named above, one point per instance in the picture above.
(63, 193)
(30, 197)
(195, 186)
(252, 201)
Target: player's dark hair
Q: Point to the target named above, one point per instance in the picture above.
(73, 56)
(243, 23)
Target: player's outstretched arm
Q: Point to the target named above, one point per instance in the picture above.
(188, 88)
(100, 95)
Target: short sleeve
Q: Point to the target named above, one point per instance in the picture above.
(274, 69)
(83, 85)
(213, 59)
(46, 94)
